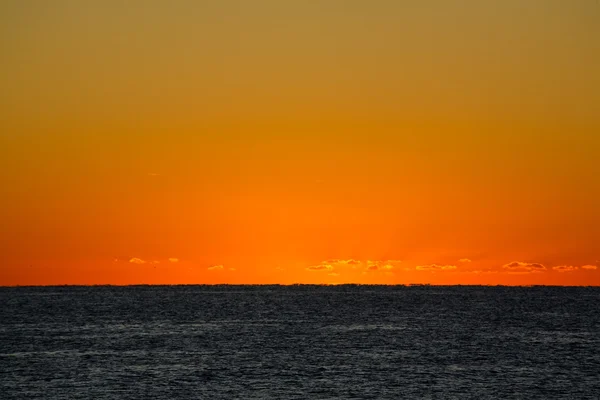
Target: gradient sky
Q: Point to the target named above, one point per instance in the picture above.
(273, 141)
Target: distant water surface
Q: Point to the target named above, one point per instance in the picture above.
(299, 342)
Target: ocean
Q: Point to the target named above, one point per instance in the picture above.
(299, 342)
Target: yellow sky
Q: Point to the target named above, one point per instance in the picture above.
(271, 137)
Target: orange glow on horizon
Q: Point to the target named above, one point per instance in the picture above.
(300, 142)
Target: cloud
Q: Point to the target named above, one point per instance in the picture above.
(371, 265)
(320, 267)
(138, 261)
(464, 260)
(565, 268)
(333, 274)
(589, 267)
(381, 265)
(216, 268)
(329, 265)
(174, 260)
(435, 267)
(524, 267)
(337, 261)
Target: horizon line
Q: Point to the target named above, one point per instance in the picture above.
(290, 284)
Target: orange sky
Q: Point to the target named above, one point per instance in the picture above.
(443, 142)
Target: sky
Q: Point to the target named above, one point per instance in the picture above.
(268, 141)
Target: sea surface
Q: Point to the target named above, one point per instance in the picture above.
(299, 342)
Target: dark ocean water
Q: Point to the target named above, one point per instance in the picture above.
(300, 342)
